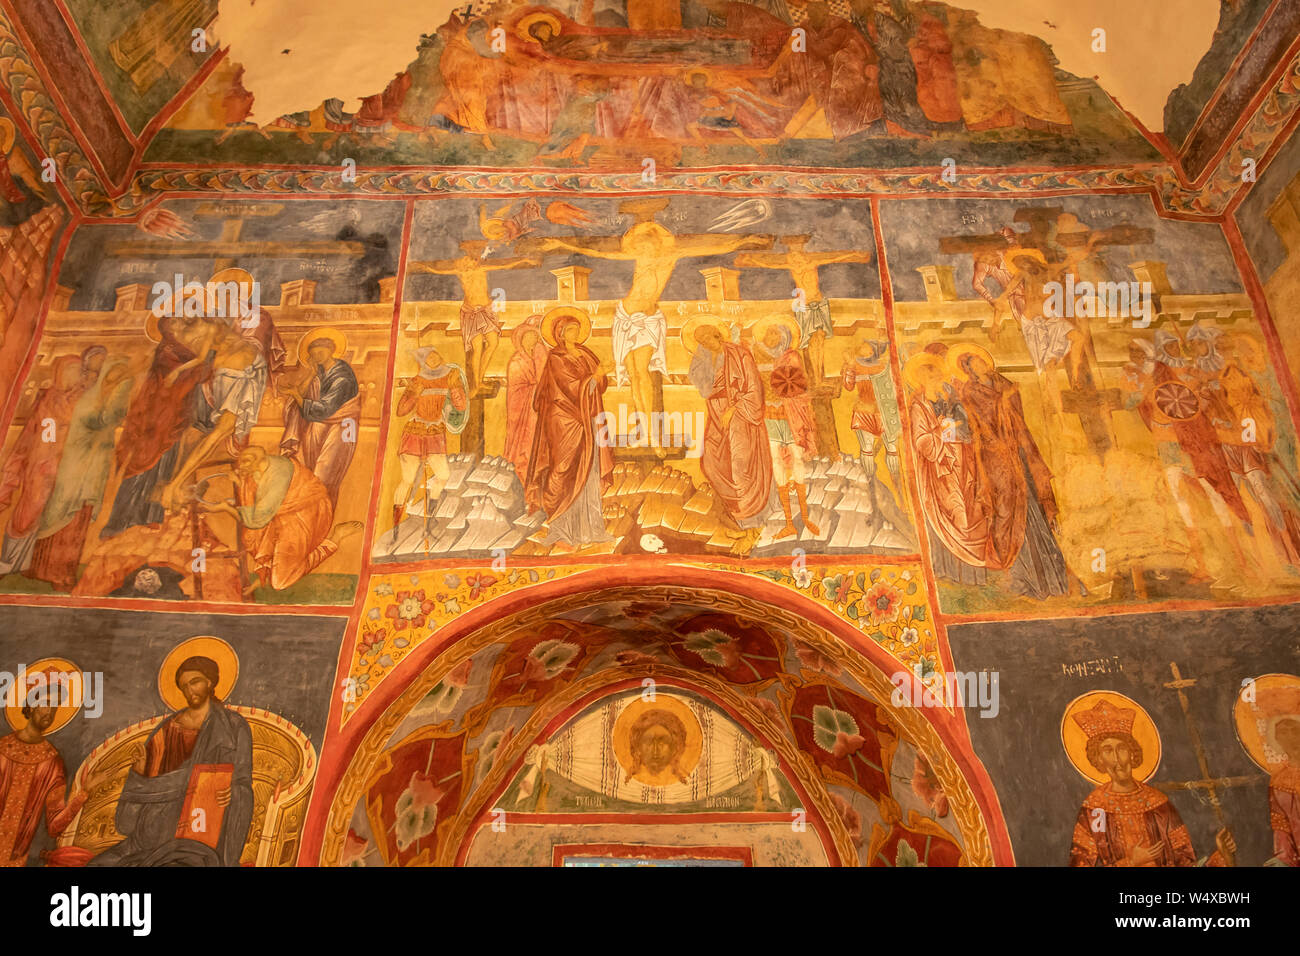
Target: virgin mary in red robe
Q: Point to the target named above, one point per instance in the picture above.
(568, 469)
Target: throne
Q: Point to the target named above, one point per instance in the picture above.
(284, 767)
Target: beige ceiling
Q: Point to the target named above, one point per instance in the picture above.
(350, 50)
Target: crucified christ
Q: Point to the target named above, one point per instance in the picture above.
(479, 328)
(811, 310)
(639, 327)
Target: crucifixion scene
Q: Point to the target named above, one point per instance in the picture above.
(644, 376)
(1091, 412)
(673, 433)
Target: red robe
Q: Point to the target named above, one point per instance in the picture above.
(32, 782)
(1001, 437)
(565, 441)
(1144, 817)
(844, 77)
(1197, 438)
(522, 375)
(936, 76)
(33, 464)
(947, 478)
(737, 460)
(159, 412)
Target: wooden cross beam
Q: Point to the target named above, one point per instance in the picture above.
(230, 248)
(1208, 783)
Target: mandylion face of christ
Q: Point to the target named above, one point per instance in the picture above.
(658, 741)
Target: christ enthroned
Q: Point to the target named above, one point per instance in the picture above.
(639, 328)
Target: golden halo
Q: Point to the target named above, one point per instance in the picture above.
(241, 276)
(151, 330)
(202, 646)
(622, 739)
(14, 713)
(322, 332)
(690, 74)
(7, 134)
(526, 22)
(913, 366)
(559, 312)
(952, 361)
(1075, 741)
(1276, 695)
(694, 322)
(759, 329)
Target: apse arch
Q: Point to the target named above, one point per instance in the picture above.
(937, 734)
(816, 802)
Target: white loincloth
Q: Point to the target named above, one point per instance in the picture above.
(1048, 339)
(638, 331)
(239, 391)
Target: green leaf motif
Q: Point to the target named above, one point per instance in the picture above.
(906, 855)
(828, 722)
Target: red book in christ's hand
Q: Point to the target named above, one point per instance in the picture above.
(201, 815)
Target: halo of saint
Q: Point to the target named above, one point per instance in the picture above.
(657, 742)
(1074, 738)
(335, 337)
(53, 667)
(1260, 707)
(204, 645)
(561, 312)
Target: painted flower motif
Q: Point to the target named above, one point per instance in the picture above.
(930, 676)
(373, 614)
(478, 583)
(451, 582)
(837, 587)
(417, 809)
(881, 602)
(714, 647)
(411, 610)
(383, 589)
(927, 786)
(549, 659)
(492, 745)
(768, 707)
(451, 607)
(355, 848)
(370, 640)
(909, 636)
(852, 819)
(836, 732)
(815, 660)
(802, 578)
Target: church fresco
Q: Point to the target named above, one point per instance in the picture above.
(710, 433)
(865, 83)
(165, 699)
(1098, 375)
(456, 757)
(1122, 726)
(754, 362)
(237, 347)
